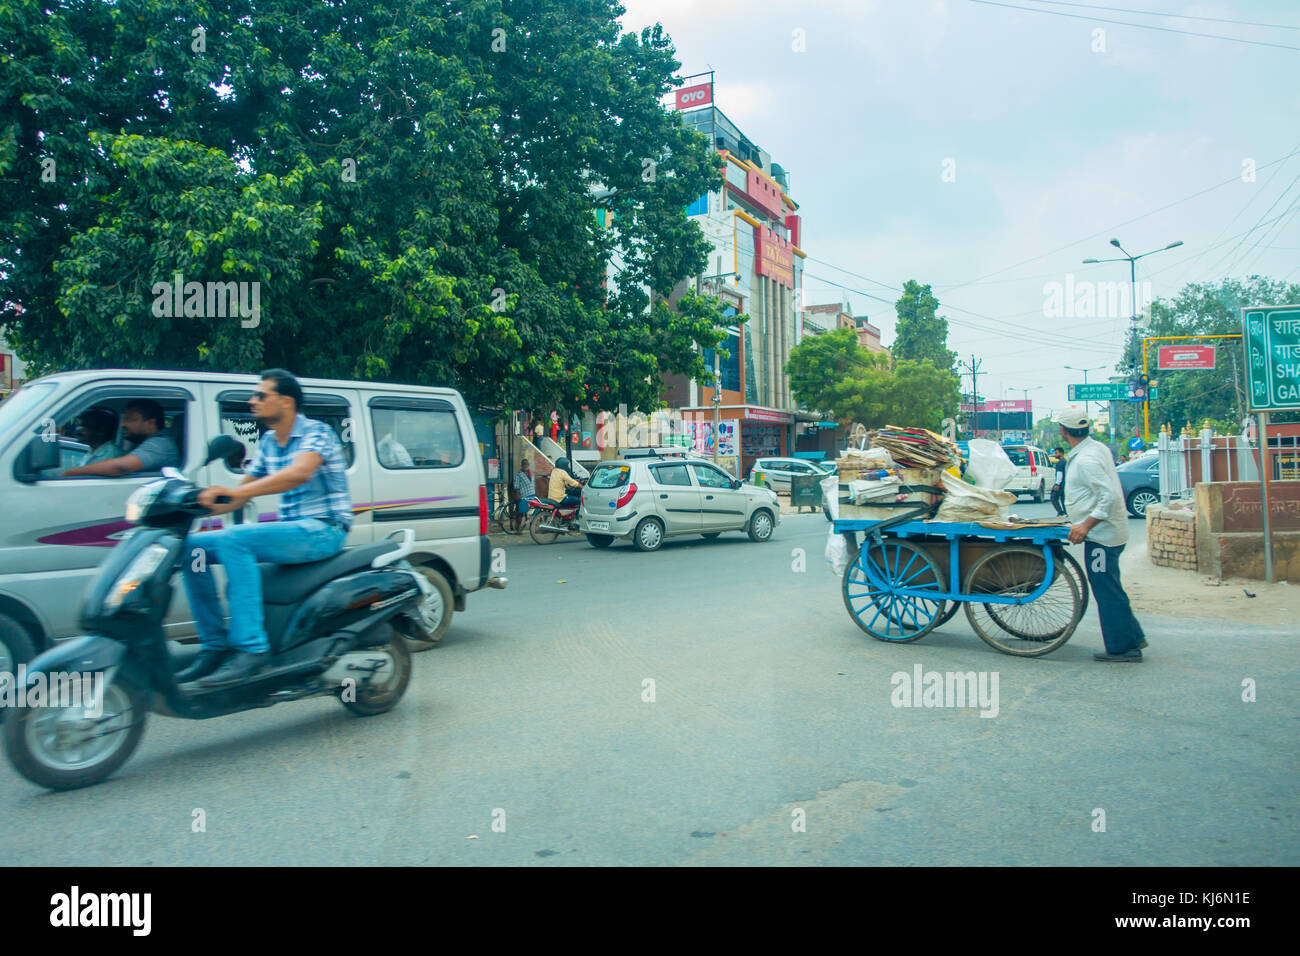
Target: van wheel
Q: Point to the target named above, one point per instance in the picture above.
(600, 540)
(381, 698)
(1038, 495)
(649, 535)
(427, 626)
(16, 646)
(760, 525)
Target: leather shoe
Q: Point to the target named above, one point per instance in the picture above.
(1142, 645)
(207, 661)
(240, 666)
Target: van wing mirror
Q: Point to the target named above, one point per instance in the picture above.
(224, 446)
(41, 453)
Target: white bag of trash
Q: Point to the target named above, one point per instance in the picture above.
(965, 502)
(837, 553)
(989, 465)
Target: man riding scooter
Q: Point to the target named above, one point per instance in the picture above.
(301, 460)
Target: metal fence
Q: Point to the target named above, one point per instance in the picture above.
(1204, 456)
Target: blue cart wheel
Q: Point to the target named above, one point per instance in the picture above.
(871, 584)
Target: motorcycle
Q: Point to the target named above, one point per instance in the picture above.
(548, 521)
(333, 627)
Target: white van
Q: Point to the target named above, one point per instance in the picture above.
(1034, 472)
(54, 531)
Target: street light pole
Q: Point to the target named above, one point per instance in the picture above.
(1096, 368)
(1132, 271)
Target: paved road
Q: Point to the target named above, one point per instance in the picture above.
(770, 706)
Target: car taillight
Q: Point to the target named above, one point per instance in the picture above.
(1033, 469)
(627, 495)
(482, 509)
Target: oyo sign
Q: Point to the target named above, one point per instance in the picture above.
(693, 96)
(1185, 356)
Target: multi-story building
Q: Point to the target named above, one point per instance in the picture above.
(823, 318)
(756, 266)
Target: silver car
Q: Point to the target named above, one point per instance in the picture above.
(647, 499)
(777, 472)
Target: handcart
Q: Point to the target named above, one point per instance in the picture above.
(1023, 593)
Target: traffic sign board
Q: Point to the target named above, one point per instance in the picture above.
(1105, 392)
(1272, 337)
(1135, 443)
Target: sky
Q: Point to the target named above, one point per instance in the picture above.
(987, 151)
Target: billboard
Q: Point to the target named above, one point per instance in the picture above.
(1185, 356)
(688, 98)
(773, 256)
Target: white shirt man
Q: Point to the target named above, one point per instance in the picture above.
(1094, 501)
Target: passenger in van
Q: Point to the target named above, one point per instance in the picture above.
(392, 453)
(144, 423)
(97, 427)
(301, 460)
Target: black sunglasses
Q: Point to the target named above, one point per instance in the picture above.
(263, 396)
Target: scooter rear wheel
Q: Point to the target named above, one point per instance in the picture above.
(535, 531)
(63, 749)
(375, 698)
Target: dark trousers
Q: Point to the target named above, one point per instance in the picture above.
(1058, 499)
(1120, 630)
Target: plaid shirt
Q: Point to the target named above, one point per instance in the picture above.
(325, 493)
(525, 487)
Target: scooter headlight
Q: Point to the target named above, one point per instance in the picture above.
(139, 500)
(136, 573)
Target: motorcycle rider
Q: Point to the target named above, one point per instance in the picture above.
(301, 460)
(561, 482)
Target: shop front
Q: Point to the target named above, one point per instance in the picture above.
(748, 432)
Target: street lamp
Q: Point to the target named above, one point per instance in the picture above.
(1132, 274)
(1026, 392)
(1085, 371)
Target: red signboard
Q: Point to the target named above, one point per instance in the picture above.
(1186, 356)
(690, 97)
(1003, 407)
(773, 256)
(766, 194)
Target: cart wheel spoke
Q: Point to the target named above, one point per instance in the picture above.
(1031, 629)
(889, 566)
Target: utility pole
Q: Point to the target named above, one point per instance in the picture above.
(974, 368)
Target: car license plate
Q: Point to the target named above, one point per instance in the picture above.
(598, 525)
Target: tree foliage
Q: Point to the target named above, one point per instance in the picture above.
(834, 375)
(921, 333)
(412, 183)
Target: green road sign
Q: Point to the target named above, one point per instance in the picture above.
(1104, 392)
(1272, 337)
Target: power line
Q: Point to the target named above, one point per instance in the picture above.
(1142, 26)
(1176, 16)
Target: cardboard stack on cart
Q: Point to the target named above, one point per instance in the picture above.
(901, 469)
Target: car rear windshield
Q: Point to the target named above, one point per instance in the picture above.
(1018, 456)
(609, 476)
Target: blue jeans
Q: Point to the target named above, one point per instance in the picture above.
(1120, 630)
(239, 548)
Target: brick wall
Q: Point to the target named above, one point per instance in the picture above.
(1171, 536)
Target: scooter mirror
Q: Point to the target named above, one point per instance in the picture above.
(224, 446)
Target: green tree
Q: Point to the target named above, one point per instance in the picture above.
(411, 184)
(1218, 394)
(921, 333)
(832, 374)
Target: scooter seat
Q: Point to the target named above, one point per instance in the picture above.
(290, 583)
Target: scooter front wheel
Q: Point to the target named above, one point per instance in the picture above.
(67, 747)
(376, 697)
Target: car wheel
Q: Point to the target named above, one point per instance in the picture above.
(600, 540)
(429, 623)
(760, 525)
(16, 646)
(1038, 495)
(1140, 500)
(649, 535)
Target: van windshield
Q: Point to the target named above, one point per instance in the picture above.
(14, 409)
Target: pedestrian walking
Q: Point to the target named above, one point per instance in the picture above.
(1058, 483)
(1094, 501)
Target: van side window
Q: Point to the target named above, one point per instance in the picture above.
(90, 430)
(237, 421)
(414, 437)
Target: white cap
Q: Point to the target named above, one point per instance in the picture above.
(1072, 416)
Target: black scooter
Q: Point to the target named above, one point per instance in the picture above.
(332, 624)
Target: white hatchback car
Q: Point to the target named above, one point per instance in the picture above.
(777, 472)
